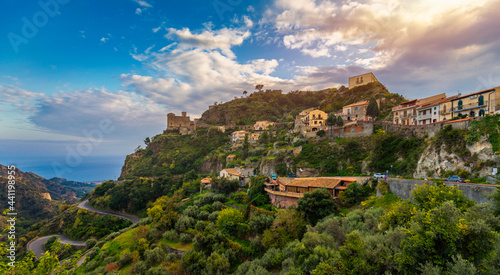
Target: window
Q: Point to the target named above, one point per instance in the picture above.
(460, 104)
(356, 108)
(361, 80)
(481, 100)
(348, 111)
(434, 113)
(434, 108)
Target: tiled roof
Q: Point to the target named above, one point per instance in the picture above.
(233, 171)
(315, 182)
(206, 180)
(358, 103)
(438, 102)
(480, 92)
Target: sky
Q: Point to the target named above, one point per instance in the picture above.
(85, 81)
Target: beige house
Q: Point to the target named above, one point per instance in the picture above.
(356, 111)
(476, 104)
(262, 125)
(254, 138)
(313, 118)
(406, 112)
(361, 80)
(231, 173)
(238, 136)
(206, 183)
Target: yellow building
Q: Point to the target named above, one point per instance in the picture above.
(476, 104)
(315, 118)
(361, 80)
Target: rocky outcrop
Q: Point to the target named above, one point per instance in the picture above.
(211, 164)
(46, 196)
(435, 161)
(307, 172)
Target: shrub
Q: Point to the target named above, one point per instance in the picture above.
(200, 226)
(141, 267)
(90, 243)
(191, 211)
(185, 238)
(184, 223)
(158, 270)
(155, 255)
(125, 258)
(203, 215)
(217, 206)
(228, 220)
(213, 216)
(90, 265)
(171, 235)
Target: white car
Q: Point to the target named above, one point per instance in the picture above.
(378, 176)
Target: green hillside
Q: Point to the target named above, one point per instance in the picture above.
(278, 106)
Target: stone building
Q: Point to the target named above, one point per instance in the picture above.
(182, 124)
(356, 111)
(262, 125)
(361, 80)
(310, 120)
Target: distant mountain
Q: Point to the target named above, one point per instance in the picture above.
(36, 198)
(80, 188)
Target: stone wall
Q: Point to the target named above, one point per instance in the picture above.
(477, 192)
(282, 201)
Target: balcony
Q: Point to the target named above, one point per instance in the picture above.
(426, 116)
(469, 106)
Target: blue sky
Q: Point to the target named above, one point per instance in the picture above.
(69, 67)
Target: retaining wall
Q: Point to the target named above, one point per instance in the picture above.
(477, 192)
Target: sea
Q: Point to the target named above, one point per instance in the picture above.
(88, 169)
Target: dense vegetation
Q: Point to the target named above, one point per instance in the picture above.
(173, 154)
(283, 107)
(79, 224)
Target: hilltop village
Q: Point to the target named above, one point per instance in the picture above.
(423, 117)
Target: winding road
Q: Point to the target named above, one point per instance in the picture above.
(36, 245)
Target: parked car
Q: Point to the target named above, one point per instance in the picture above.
(273, 176)
(455, 179)
(292, 176)
(378, 176)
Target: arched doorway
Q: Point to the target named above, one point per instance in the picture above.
(481, 112)
(472, 114)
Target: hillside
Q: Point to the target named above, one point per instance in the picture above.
(80, 188)
(31, 196)
(278, 106)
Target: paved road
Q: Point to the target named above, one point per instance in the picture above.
(37, 245)
(85, 204)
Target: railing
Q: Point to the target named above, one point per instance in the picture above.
(407, 116)
(469, 106)
(426, 116)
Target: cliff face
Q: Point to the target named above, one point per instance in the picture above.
(435, 161)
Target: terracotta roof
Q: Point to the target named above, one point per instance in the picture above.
(407, 102)
(438, 102)
(315, 182)
(240, 132)
(233, 171)
(480, 92)
(206, 180)
(358, 103)
(231, 156)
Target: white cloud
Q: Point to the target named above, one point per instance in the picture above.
(143, 3)
(248, 21)
(138, 11)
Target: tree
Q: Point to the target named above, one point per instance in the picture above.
(246, 146)
(355, 193)
(264, 138)
(164, 213)
(431, 196)
(372, 109)
(340, 122)
(245, 93)
(259, 87)
(331, 121)
(288, 226)
(317, 205)
(228, 220)
(147, 141)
